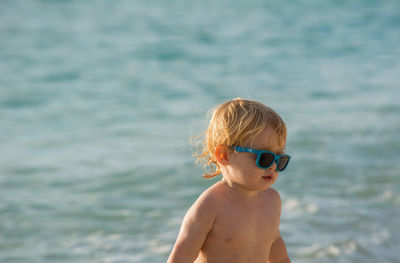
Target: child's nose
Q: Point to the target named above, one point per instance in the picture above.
(272, 167)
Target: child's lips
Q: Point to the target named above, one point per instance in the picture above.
(267, 178)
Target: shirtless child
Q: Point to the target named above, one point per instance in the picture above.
(237, 219)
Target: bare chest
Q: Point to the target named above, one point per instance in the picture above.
(244, 230)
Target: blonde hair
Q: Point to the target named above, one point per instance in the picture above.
(236, 122)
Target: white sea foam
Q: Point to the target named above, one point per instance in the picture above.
(294, 206)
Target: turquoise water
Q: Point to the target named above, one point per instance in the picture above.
(98, 100)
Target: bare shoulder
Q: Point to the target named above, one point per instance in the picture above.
(207, 201)
(210, 194)
(273, 195)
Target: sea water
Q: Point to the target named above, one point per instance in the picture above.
(99, 100)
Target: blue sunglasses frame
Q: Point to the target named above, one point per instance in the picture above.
(259, 153)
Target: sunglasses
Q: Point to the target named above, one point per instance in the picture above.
(266, 159)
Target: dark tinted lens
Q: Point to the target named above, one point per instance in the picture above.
(283, 162)
(266, 160)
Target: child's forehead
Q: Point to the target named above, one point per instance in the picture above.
(268, 139)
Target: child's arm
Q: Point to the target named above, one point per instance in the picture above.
(278, 252)
(195, 227)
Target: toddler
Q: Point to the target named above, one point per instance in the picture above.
(237, 219)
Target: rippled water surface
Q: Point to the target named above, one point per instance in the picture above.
(98, 101)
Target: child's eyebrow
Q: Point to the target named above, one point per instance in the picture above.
(280, 152)
(277, 152)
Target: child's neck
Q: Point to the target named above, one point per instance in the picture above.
(239, 191)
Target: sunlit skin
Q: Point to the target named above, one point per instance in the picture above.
(237, 219)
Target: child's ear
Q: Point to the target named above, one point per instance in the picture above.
(221, 154)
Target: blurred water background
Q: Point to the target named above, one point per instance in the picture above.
(98, 101)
